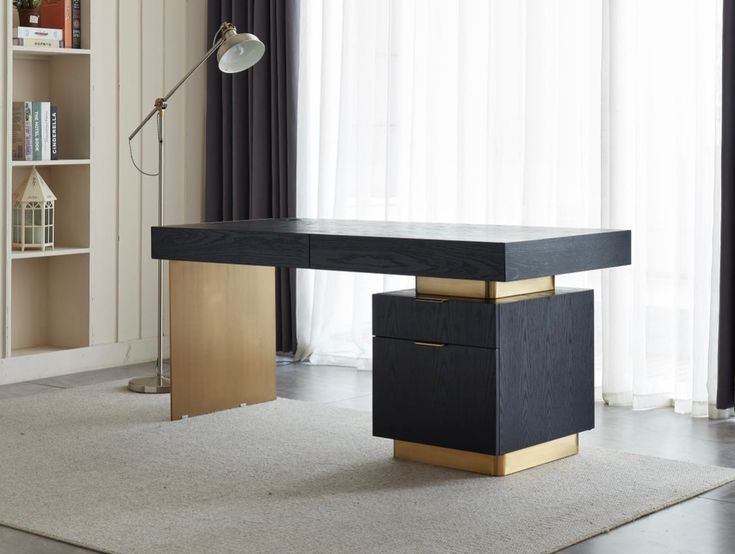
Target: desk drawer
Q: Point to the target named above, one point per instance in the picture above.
(459, 321)
(444, 396)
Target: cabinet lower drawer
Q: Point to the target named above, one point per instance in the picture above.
(439, 395)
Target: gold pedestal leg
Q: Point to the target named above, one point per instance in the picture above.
(223, 343)
(486, 463)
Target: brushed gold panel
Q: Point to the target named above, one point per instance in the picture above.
(503, 289)
(488, 464)
(434, 286)
(538, 454)
(223, 336)
(437, 286)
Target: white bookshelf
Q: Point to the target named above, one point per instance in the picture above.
(47, 294)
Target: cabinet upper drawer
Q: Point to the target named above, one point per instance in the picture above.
(461, 321)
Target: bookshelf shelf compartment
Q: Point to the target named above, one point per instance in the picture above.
(63, 81)
(50, 302)
(70, 184)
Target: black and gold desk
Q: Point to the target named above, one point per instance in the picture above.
(485, 366)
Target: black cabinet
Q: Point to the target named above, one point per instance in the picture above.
(488, 376)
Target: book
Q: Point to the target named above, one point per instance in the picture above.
(28, 120)
(45, 130)
(38, 42)
(54, 133)
(19, 131)
(38, 32)
(76, 23)
(37, 131)
(57, 15)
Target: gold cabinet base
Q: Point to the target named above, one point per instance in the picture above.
(488, 464)
(436, 286)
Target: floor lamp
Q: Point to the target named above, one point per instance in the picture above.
(235, 53)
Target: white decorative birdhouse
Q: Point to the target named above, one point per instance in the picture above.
(33, 214)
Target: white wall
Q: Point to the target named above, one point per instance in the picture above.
(154, 52)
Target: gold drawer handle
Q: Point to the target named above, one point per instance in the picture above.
(432, 300)
(432, 344)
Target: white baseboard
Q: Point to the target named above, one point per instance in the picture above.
(63, 362)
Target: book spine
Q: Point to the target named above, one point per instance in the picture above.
(37, 42)
(76, 24)
(45, 130)
(68, 34)
(28, 119)
(38, 32)
(19, 131)
(37, 131)
(54, 133)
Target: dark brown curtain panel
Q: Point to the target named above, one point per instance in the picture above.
(251, 132)
(726, 349)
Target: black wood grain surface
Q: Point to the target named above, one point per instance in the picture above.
(406, 315)
(218, 245)
(524, 260)
(545, 369)
(439, 396)
(492, 252)
(429, 258)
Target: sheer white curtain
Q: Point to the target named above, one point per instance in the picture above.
(538, 112)
(661, 128)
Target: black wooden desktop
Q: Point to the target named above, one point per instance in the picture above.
(484, 366)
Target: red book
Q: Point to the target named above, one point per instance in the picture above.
(56, 14)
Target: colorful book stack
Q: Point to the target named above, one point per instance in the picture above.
(35, 131)
(62, 26)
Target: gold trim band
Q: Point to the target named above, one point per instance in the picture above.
(488, 464)
(437, 286)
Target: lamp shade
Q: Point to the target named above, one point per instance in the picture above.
(239, 52)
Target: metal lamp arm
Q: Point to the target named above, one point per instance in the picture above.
(160, 103)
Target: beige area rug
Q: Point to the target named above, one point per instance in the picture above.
(100, 467)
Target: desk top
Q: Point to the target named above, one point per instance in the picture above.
(459, 251)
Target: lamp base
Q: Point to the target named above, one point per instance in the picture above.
(150, 385)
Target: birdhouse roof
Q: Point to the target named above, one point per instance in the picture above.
(34, 189)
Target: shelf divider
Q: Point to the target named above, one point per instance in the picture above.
(43, 163)
(21, 52)
(56, 251)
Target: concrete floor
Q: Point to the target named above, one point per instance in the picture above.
(705, 524)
